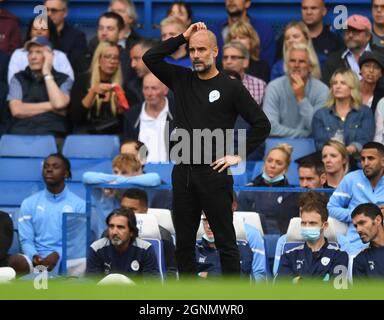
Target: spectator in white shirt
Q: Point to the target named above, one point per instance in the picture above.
(152, 121)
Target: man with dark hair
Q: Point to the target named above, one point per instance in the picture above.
(324, 40)
(316, 258)
(40, 222)
(134, 85)
(237, 11)
(368, 221)
(137, 200)
(110, 24)
(127, 10)
(360, 186)
(71, 40)
(122, 251)
(311, 173)
(377, 9)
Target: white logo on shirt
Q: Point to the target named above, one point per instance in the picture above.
(325, 261)
(360, 185)
(135, 265)
(202, 259)
(299, 264)
(371, 265)
(40, 208)
(67, 208)
(214, 95)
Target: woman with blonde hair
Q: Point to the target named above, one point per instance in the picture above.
(268, 204)
(296, 32)
(244, 32)
(276, 164)
(344, 118)
(336, 162)
(96, 107)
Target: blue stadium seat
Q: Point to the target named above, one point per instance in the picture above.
(292, 175)
(163, 169)
(77, 188)
(91, 146)
(301, 146)
(149, 231)
(27, 146)
(76, 242)
(79, 166)
(270, 242)
(240, 179)
(21, 169)
(257, 169)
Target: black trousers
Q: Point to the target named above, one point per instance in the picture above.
(197, 188)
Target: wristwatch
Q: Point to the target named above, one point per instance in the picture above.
(48, 77)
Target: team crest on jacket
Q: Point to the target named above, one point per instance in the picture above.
(214, 95)
(325, 261)
(135, 265)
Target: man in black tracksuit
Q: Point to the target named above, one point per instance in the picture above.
(204, 99)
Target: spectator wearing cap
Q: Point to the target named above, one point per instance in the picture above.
(356, 39)
(39, 95)
(39, 27)
(371, 67)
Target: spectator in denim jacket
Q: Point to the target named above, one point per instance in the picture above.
(344, 118)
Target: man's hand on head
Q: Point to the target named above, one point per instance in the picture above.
(194, 28)
(48, 61)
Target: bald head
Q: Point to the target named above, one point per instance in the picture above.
(150, 78)
(202, 50)
(154, 91)
(204, 35)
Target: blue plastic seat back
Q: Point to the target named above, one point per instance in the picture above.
(79, 166)
(163, 169)
(301, 146)
(91, 146)
(12, 145)
(77, 188)
(12, 193)
(158, 247)
(21, 169)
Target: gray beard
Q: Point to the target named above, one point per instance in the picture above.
(203, 70)
(116, 241)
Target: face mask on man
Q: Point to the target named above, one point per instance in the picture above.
(311, 234)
